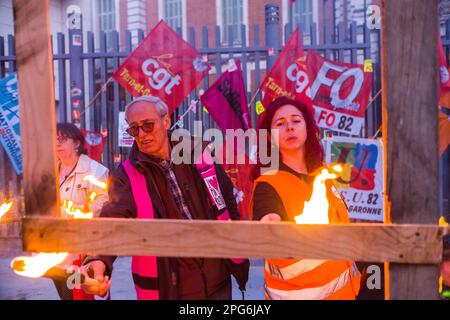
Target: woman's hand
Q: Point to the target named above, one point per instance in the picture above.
(271, 217)
(103, 283)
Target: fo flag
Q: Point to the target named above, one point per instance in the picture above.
(163, 65)
(444, 78)
(288, 76)
(226, 100)
(340, 93)
(94, 143)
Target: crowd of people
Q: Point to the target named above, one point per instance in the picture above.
(149, 185)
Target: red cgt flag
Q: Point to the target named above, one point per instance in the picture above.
(288, 76)
(163, 65)
(226, 100)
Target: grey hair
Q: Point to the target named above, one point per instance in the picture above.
(160, 105)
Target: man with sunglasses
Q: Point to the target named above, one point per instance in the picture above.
(149, 185)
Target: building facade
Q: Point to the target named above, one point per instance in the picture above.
(134, 15)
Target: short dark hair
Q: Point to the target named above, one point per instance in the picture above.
(71, 131)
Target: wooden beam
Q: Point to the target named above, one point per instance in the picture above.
(175, 238)
(410, 115)
(36, 105)
(10, 246)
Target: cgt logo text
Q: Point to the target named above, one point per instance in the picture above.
(159, 78)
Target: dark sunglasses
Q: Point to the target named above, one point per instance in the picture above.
(146, 127)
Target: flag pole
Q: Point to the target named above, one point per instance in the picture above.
(96, 95)
(291, 16)
(180, 118)
(254, 97)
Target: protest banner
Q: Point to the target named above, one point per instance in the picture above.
(163, 65)
(361, 184)
(444, 76)
(226, 100)
(94, 143)
(10, 120)
(288, 76)
(125, 140)
(340, 93)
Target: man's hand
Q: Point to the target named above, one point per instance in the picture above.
(271, 217)
(104, 283)
(445, 272)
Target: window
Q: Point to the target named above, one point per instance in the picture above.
(107, 19)
(173, 15)
(232, 11)
(303, 15)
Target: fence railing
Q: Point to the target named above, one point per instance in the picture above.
(97, 60)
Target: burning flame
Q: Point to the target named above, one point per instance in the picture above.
(337, 168)
(5, 207)
(95, 181)
(92, 196)
(76, 213)
(36, 266)
(315, 210)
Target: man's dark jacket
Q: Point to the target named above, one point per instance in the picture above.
(178, 278)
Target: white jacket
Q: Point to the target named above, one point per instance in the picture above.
(76, 189)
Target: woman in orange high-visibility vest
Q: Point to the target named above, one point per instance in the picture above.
(281, 197)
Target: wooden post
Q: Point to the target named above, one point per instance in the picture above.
(410, 100)
(36, 105)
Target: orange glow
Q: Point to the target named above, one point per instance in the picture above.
(315, 210)
(36, 266)
(5, 207)
(92, 196)
(337, 168)
(95, 181)
(76, 213)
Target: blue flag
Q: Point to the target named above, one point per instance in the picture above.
(10, 120)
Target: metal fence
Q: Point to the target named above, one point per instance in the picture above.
(93, 64)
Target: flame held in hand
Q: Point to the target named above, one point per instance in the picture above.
(96, 182)
(5, 207)
(315, 211)
(36, 266)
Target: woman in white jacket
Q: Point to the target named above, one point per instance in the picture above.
(77, 192)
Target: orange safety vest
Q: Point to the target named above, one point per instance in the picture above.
(308, 279)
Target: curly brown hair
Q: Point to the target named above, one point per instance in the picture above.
(314, 152)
